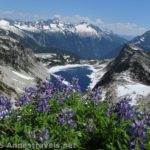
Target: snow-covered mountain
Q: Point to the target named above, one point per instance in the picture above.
(83, 39)
(142, 41)
(18, 66)
(128, 74)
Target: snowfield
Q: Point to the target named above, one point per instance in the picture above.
(133, 90)
(6, 26)
(84, 28)
(130, 88)
(23, 76)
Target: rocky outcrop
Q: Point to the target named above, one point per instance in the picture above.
(18, 66)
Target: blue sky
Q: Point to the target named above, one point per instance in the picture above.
(112, 14)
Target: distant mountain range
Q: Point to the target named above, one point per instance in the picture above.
(84, 40)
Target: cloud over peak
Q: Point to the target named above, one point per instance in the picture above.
(117, 27)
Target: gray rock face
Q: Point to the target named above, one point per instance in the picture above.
(131, 59)
(128, 74)
(18, 66)
(54, 59)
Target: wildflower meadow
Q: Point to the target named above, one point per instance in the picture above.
(62, 115)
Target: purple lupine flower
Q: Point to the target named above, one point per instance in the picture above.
(138, 123)
(31, 91)
(23, 99)
(68, 92)
(95, 96)
(5, 103)
(123, 109)
(138, 129)
(40, 95)
(47, 90)
(5, 106)
(75, 85)
(66, 117)
(63, 121)
(43, 105)
(59, 85)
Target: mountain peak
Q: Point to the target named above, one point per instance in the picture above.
(56, 20)
(132, 61)
(142, 41)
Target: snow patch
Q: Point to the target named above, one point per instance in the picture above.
(97, 74)
(133, 90)
(4, 23)
(134, 47)
(5, 47)
(22, 76)
(85, 28)
(60, 68)
(142, 39)
(6, 26)
(46, 55)
(56, 27)
(64, 81)
(26, 27)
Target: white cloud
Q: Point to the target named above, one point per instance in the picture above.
(77, 19)
(21, 16)
(126, 28)
(119, 28)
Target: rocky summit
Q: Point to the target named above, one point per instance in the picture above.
(129, 73)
